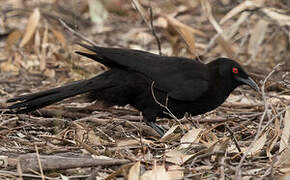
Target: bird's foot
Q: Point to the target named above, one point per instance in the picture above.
(157, 128)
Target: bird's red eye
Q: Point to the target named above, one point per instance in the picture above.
(235, 70)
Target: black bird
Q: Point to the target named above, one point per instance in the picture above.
(142, 79)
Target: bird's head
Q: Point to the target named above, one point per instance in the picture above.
(233, 72)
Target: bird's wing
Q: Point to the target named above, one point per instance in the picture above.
(183, 79)
(193, 89)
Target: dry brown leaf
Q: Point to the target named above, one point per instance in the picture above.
(157, 173)
(101, 157)
(259, 144)
(227, 46)
(162, 22)
(134, 172)
(286, 131)
(116, 6)
(177, 23)
(59, 36)
(132, 142)
(175, 172)
(168, 134)
(187, 37)
(177, 157)
(233, 149)
(285, 169)
(207, 9)
(281, 18)
(3, 161)
(222, 146)
(138, 35)
(278, 17)
(285, 176)
(235, 27)
(212, 140)
(274, 139)
(203, 168)
(277, 99)
(86, 148)
(9, 67)
(257, 36)
(31, 25)
(12, 39)
(37, 43)
(259, 2)
(49, 73)
(45, 35)
(283, 162)
(187, 33)
(215, 146)
(189, 137)
(93, 139)
(80, 131)
(246, 5)
(13, 64)
(42, 63)
(225, 2)
(142, 11)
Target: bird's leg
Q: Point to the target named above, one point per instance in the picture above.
(157, 128)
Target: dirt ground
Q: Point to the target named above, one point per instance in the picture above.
(245, 138)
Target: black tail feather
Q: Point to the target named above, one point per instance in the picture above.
(91, 48)
(38, 100)
(97, 56)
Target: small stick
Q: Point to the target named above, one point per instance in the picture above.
(233, 137)
(77, 34)
(151, 27)
(165, 106)
(39, 163)
(154, 32)
(160, 104)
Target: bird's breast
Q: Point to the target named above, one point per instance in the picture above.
(200, 106)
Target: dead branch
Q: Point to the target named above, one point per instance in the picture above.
(29, 162)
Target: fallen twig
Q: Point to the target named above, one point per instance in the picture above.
(79, 35)
(29, 161)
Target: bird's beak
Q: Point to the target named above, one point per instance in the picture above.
(249, 81)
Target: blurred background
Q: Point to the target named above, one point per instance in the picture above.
(255, 33)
